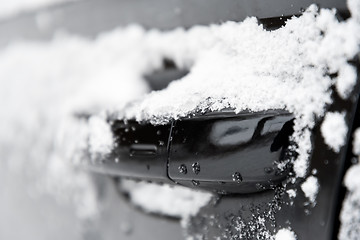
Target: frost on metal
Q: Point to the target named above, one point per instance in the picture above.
(334, 130)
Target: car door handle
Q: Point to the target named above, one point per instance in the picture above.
(218, 151)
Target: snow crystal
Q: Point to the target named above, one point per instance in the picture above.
(175, 201)
(334, 130)
(311, 188)
(285, 234)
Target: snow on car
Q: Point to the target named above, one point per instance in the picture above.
(58, 97)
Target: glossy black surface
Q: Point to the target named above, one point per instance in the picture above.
(230, 153)
(219, 151)
(140, 152)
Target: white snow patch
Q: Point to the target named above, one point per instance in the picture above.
(354, 7)
(285, 234)
(311, 188)
(304, 148)
(100, 136)
(346, 80)
(175, 201)
(44, 88)
(352, 178)
(334, 130)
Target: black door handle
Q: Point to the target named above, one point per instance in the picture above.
(230, 153)
(218, 151)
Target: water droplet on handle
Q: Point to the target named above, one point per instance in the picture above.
(259, 186)
(195, 183)
(183, 169)
(236, 177)
(196, 168)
